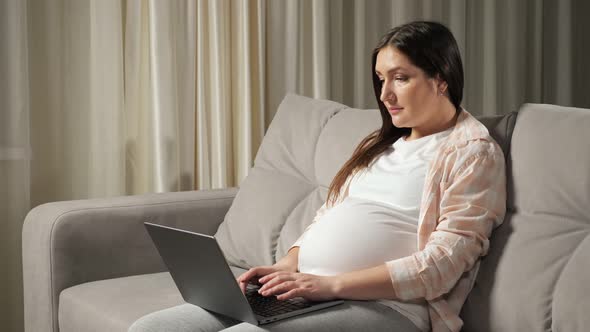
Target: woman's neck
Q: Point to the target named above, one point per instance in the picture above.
(447, 120)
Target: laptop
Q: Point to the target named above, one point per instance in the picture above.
(204, 279)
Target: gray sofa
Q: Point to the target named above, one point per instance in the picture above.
(89, 265)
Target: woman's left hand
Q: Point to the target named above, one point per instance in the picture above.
(291, 284)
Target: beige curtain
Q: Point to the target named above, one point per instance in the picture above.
(119, 97)
(143, 96)
(114, 97)
(514, 51)
(15, 157)
(193, 93)
(230, 90)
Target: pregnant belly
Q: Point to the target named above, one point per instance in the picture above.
(356, 234)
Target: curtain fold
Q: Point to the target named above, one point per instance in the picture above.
(106, 156)
(194, 93)
(247, 83)
(15, 156)
(159, 96)
(513, 51)
(163, 92)
(230, 90)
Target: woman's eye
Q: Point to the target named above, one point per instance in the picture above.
(401, 78)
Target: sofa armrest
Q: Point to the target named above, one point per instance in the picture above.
(73, 242)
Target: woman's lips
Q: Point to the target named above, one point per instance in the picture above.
(395, 110)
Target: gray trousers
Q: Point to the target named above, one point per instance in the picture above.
(350, 316)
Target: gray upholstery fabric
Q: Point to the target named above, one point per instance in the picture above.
(339, 138)
(334, 146)
(114, 304)
(70, 243)
(293, 167)
(501, 128)
(536, 275)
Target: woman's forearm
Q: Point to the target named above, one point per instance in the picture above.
(368, 284)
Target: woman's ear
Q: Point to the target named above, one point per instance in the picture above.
(443, 88)
(441, 85)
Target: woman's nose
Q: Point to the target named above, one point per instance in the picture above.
(386, 93)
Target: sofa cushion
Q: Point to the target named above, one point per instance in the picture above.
(535, 277)
(302, 150)
(115, 304)
(500, 128)
(335, 145)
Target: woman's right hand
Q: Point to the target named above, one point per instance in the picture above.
(255, 273)
(287, 263)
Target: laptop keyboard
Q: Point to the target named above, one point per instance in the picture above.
(270, 306)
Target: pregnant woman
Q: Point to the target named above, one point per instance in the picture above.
(409, 215)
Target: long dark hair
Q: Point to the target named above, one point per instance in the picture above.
(431, 47)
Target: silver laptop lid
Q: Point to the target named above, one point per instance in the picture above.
(201, 272)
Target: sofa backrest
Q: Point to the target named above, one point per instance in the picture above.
(305, 145)
(536, 275)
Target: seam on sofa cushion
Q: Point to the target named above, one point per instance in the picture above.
(511, 121)
(315, 148)
(275, 170)
(558, 279)
(316, 184)
(508, 136)
(275, 239)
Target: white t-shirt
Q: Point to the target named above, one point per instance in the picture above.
(377, 221)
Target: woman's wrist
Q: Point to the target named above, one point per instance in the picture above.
(286, 266)
(337, 283)
(290, 261)
(367, 284)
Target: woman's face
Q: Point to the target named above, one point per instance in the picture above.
(411, 97)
